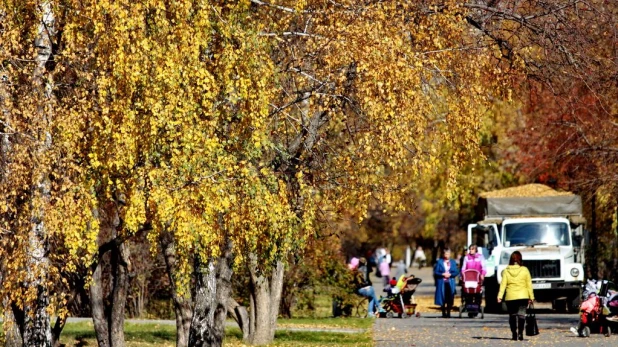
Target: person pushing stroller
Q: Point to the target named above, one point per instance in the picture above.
(472, 275)
(474, 261)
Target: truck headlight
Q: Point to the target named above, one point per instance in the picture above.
(574, 272)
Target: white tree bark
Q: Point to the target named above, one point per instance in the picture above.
(37, 328)
(13, 337)
(213, 289)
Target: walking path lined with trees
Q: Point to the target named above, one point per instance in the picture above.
(431, 330)
(235, 141)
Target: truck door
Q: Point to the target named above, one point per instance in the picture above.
(487, 239)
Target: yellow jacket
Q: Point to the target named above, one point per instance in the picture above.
(517, 282)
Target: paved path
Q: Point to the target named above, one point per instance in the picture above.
(431, 330)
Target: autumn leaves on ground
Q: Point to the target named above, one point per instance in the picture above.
(235, 154)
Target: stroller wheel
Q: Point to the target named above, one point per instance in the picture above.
(482, 312)
(404, 315)
(390, 314)
(608, 331)
(585, 332)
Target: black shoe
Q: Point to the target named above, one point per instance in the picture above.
(520, 337)
(514, 337)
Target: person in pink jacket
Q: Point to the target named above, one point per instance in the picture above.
(474, 261)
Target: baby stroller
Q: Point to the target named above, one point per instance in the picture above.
(400, 301)
(591, 317)
(471, 294)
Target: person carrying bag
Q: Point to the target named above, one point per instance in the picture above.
(517, 283)
(532, 329)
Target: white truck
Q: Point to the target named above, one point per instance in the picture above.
(547, 227)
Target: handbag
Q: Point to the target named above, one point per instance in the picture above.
(532, 328)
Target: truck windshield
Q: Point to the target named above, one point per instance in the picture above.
(538, 233)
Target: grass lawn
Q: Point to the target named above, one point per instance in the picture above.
(161, 335)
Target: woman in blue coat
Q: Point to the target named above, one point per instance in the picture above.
(445, 272)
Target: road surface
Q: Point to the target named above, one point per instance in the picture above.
(432, 330)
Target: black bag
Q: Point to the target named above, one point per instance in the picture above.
(532, 328)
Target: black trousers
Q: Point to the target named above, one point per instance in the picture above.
(517, 315)
(448, 299)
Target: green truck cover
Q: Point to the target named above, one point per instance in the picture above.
(545, 206)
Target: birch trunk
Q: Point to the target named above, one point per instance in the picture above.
(12, 335)
(37, 328)
(182, 304)
(213, 288)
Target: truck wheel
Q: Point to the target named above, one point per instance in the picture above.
(573, 305)
(560, 305)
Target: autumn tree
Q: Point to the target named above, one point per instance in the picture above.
(565, 50)
(368, 93)
(41, 244)
(227, 132)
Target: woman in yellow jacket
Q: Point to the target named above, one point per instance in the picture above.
(517, 283)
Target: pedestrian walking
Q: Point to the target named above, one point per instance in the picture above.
(419, 257)
(474, 261)
(385, 272)
(445, 271)
(517, 284)
(400, 269)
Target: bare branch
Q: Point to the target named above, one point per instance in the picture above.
(282, 8)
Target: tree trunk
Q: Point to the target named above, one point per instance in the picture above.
(120, 265)
(182, 304)
(57, 330)
(12, 334)
(213, 288)
(97, 305)
(37, 329)
(108, 319)
(13, 326)
(265, 300)
(240, 315)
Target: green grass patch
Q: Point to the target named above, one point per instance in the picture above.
(340, 323)
(306, 338)
(82, 334)
(163, 335)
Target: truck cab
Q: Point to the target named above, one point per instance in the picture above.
(548, 251)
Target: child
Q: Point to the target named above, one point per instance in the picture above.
(588, 312)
